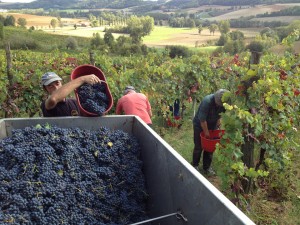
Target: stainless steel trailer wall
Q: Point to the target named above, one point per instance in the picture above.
(172, 183)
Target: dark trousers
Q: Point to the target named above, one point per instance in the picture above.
(207, 156)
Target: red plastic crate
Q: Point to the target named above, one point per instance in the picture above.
(87, 69)
(209, 145)
(173, 124)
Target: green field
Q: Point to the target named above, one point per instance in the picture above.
(79, 32)
(164, 33)
(161, 36)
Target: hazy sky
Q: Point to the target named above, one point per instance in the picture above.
(22, 1)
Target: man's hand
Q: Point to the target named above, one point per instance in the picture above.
(91, 79)
(205, 129)
(219, 124)
(206, 133)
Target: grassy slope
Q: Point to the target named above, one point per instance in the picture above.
(46, 41)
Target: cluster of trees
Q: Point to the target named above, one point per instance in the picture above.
(108, 18)
(10, 21)
(233, 42)
(184, 22)
(56, 23)
(137, 27)
(189, 20)
(246, 22)
(122, 45)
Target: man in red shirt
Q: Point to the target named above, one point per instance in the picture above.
(133, 103)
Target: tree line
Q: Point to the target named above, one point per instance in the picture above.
(293, 11)
(196, 3)
(142, 6)
(73, 4)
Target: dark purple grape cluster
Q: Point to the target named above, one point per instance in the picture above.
(51, 175)
(93, 98)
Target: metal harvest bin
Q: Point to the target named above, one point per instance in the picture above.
(172, 183)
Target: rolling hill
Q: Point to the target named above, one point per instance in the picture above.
(150, 5)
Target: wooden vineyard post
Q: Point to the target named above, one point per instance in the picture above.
(248, 146)
(92, 58)
(10, 81)
(8, 64)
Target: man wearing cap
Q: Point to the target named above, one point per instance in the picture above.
(57, 103)
(207, 118)
(133, 103)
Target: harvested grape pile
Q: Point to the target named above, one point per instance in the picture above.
(93, 98)
(51, 175)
